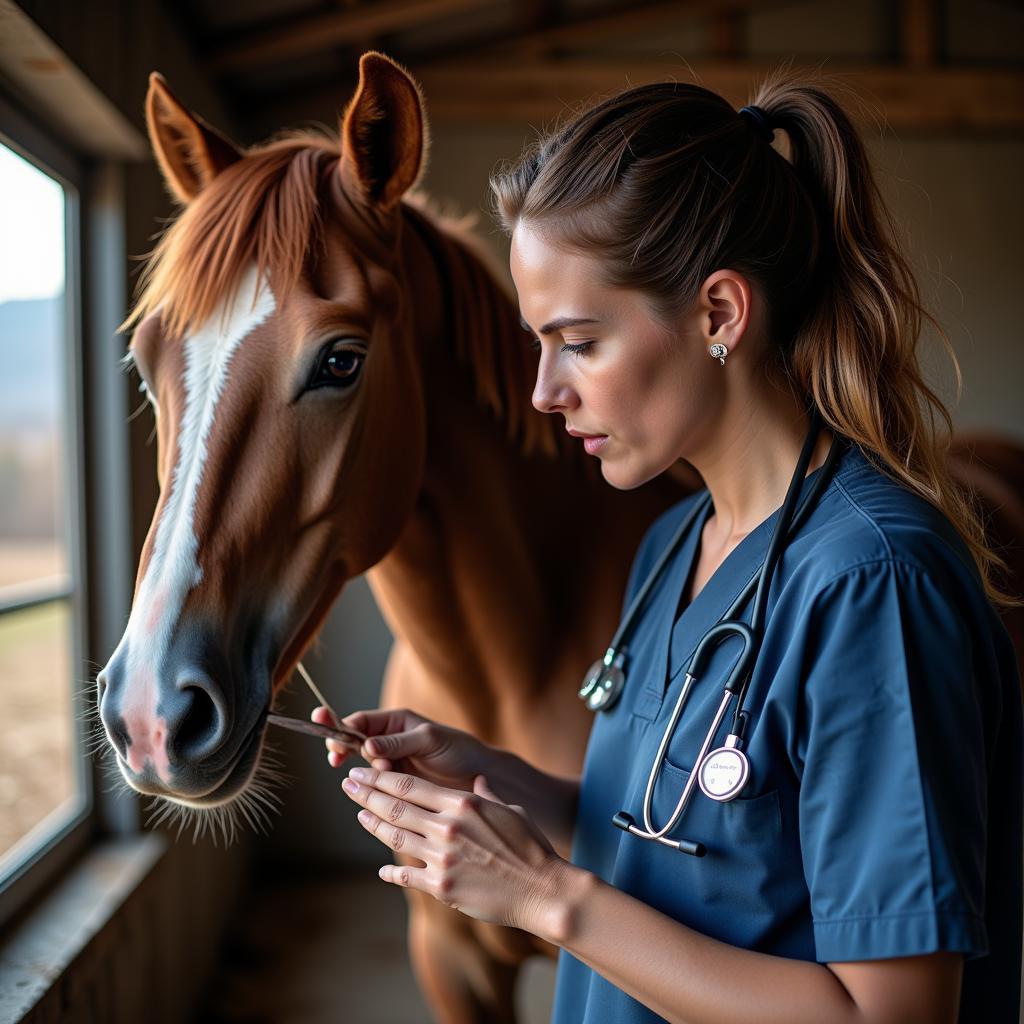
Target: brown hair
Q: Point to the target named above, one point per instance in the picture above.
(265, 208)
(667, 183)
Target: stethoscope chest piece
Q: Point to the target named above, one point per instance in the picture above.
(604, 680)
(724, 771)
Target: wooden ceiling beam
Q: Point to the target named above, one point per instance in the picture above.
(631, 17)
(302, 36)
(929, 99)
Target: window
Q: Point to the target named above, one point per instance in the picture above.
(44, 779)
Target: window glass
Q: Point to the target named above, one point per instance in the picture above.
(36, 735)
(38, 754)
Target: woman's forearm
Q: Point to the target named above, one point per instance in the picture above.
(550, 800)
(679, 973)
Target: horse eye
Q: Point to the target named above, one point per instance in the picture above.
(340, 368)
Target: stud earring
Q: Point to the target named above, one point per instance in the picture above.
(719, 352)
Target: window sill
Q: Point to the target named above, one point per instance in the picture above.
(72, 920)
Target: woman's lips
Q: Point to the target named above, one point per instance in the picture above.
(591, 442)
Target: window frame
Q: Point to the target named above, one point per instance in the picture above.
(49, 847)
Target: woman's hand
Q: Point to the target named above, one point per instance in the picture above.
(400, 739)
(479, 855)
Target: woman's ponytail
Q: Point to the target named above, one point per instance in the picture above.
(856, 351)
(667, 182)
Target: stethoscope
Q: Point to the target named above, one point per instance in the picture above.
(722, 772)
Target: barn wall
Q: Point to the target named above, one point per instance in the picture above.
(131, 935)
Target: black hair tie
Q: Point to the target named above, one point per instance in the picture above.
(759, 121)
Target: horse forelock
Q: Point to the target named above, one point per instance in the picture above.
(265, 209)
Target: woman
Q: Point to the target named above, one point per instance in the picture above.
(704, 285)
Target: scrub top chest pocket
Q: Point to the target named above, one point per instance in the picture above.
(723, 820)
(736, 892)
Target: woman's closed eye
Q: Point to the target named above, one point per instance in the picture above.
(578, 349)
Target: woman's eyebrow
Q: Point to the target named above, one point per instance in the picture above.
(557, 325)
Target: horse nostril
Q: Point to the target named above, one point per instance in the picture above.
(200, 729)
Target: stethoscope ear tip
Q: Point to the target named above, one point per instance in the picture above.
(623, 820)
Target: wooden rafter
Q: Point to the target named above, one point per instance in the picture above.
(626, 18)
(930, 99)
(303, 36)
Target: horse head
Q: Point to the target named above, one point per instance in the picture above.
(273, 344)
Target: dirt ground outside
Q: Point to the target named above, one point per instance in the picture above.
(37, 728)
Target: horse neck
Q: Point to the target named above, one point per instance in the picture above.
(485, 584)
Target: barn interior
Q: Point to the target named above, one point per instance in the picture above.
(107, 915)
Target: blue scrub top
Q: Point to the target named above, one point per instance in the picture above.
(882, 815)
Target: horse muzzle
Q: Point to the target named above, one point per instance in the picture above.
(178, 729)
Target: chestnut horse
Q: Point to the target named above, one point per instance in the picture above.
(341, 386)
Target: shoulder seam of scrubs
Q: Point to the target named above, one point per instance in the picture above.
(895, 560)
(960, 553)
(865, 515)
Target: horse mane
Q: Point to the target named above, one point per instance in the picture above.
(268, 208)
(488, 338)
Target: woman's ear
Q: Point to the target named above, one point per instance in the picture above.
(190, 152)
(725, 308)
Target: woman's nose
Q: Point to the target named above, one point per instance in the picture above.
(550, 393)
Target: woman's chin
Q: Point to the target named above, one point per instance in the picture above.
(625, 474)
(621, 476)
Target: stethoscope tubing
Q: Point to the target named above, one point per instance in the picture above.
(739, 676)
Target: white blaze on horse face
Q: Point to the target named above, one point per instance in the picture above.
(174, 569)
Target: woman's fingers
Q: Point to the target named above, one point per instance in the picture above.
(357, 720)
(338, 755)
(402, 874)
(419, 741)
(395, 837)
(402, 799)
(379, 725)
(398, 824)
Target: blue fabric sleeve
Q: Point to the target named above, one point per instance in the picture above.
(894, 783)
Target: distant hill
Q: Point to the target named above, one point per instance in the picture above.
(31, 364)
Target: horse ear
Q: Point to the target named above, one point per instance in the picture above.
(190, 152)
(384, 137)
